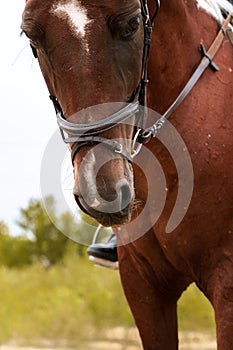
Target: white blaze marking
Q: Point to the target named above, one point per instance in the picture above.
(89, 174)
(75, 14)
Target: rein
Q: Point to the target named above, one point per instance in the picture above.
(207, 60)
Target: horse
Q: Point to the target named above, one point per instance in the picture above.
(107, 64)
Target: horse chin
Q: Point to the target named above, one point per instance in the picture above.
(104, 218)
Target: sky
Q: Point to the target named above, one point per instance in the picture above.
(27, 117)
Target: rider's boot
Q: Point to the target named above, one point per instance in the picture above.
(104, 254)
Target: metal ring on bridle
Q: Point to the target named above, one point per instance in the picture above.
(135, 151)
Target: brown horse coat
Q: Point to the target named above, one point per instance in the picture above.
(96, 60)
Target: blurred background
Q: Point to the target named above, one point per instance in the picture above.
(51, 295)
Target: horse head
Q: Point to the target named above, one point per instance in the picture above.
(91, 59)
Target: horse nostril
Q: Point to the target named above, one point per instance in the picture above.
(125, 196)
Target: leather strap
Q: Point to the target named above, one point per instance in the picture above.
(146, 135)
(98, 126)
(91, 140)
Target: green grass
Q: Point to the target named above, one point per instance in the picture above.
(71, 301)
(195, 311)
(75, 301)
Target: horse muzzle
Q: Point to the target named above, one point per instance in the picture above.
(111, 209)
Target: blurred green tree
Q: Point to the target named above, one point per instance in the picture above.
(14, 251)
(45, 235)
(49, 242)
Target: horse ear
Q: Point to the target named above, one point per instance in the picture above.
(34, 51)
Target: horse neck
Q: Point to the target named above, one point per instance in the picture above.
(178, 30)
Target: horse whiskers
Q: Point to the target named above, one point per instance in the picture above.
(19, 54)
(137, 205)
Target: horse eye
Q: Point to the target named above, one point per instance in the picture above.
(131, 28)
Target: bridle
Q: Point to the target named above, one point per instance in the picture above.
(80, 135)
(87, 134)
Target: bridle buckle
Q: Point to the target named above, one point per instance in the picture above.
(119, 148)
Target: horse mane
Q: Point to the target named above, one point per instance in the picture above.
(217, 8)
